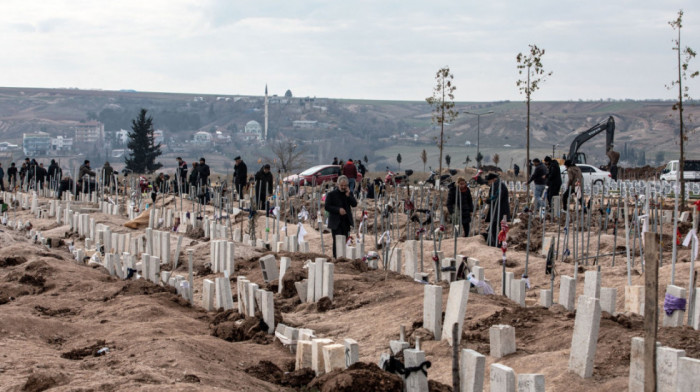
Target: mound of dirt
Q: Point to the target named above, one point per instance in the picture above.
(195, 233)
(38, 382)
(517, 235)
(250, 328)
(141, 287)
(80, 353)
(9, 261)
(298, 378)
(290, 277)
(360, 377)
(324, 304)
(266, 371)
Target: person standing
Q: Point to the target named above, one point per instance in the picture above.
(539, 177)
(463, 203)
(516, 170)
(339, 203)
(498, 207)
(2, 178)
(107, 172)
(203, 173)
(263, 185)
(41, 175)
(335, 161)
(182, 173)
(12, 176)
(85, 170)
(350, 171)
(574, 182)
(553, 179)
(240, 176)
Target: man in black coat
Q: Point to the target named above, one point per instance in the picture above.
(498, 207)
(463, 203)
(339, 203)
(203, 173)
(240, 176)
(12, 176)
(553, 179)
(263, 185)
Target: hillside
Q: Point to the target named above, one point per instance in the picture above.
(377, 129)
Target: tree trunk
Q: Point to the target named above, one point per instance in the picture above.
(681, 161)
(527, 143)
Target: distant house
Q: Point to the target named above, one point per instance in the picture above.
(158, 137)
(305, 124)
(36, 144)
(89, 133)
(252, 131)
(7, 146)
(122, 136)
(61, 143)
(202, 138)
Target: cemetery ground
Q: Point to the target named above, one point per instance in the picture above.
(58, 316)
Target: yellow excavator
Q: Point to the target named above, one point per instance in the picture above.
(578, 157)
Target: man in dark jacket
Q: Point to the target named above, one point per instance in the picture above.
(539, 177)
(203, 180)
(263, 185)
(53, 172)
(463, 203)
(12, 176)
(181, 173)
(85, 170)
(107, 172)
(240, 176)
(2, 178)
(194, 176)
(350, 171)
(553, 179)
(41, 175)
(339, 203)
(498, 207)
(204, 172)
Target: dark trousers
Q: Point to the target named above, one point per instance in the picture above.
(341, 230)
(2, 184)
(466, 222)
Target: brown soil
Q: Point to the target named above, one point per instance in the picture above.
(360, 377)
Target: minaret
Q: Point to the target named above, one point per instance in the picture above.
(265, 137)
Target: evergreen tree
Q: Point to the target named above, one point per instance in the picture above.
(398, 159)
(143, 154)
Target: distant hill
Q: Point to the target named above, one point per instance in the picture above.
(348, 128)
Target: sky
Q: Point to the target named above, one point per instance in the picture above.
(376, 49)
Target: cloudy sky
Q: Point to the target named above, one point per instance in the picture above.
(375, 49)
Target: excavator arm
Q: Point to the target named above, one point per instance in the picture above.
(608, 126)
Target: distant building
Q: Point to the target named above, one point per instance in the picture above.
(61, 143)
(36, 144)
(202, 138)
(122, 136)
(158, 137)
(305, 124)
(252, 131)
(92, 132)
(7, 146)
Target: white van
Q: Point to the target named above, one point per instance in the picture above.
(691, 171)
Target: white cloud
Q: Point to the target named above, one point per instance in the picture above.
(359, 49)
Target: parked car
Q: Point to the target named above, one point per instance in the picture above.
(691, 171)
(591, 175)
(317, 175)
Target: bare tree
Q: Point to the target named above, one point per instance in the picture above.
(443, 105)
(288, 156)
(683, 75)
(532, 65)
(496, 159)
(424, 158)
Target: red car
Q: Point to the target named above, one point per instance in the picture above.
(317, 175)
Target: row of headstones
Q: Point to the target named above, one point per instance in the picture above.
(634, 302)
(248, 294)
(591, 288)
(108, 208)
(674, 371)
(634, 298)
(322, 355)
(319, 282)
